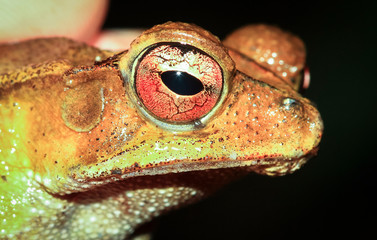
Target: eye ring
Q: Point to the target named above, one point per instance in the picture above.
(186, 36)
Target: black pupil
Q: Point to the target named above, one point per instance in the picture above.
(182, 83)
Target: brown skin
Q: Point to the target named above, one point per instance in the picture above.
(280, 54)
(77, 136)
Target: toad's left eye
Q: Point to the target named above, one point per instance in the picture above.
(178, 83)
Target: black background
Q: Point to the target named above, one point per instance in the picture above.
(333, 194)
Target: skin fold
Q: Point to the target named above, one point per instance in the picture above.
(95, 143)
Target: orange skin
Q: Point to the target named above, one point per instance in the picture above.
(84, 158)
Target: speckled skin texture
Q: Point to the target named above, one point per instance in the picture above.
(280, 52)
(83, 158)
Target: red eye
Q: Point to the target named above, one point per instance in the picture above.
(178, 83)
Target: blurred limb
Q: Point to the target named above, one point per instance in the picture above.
(116, 39)
(80, 20)
(22, 19)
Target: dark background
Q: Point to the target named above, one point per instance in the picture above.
(333, 194)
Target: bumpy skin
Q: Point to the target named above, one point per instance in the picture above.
(280, 53)
(81, 157)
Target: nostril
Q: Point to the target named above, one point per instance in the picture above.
(289, 103)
